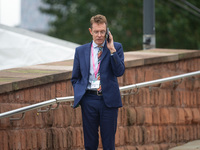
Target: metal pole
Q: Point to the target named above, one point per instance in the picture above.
(149, 24)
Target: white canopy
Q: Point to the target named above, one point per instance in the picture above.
(19, 48)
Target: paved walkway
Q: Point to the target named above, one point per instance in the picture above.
(194, 145)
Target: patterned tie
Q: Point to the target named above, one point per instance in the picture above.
(98, 74)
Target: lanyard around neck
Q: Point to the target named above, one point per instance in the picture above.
(95, 70)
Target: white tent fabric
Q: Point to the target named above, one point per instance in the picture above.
(19, 48)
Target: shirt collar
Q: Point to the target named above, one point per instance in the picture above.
(95, 45)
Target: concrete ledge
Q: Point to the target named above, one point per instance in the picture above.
(19, 78)
(147, 57)
(194, 145)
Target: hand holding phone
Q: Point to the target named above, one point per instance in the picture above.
(110, 44)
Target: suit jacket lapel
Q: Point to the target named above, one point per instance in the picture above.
(105, 51)
(87, 56)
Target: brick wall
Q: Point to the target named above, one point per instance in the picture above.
(156, 118)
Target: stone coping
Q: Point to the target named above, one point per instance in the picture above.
(24, 77)
(193, 145)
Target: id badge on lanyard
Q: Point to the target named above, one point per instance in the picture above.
(95, 84)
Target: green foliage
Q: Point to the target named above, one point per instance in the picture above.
(175, 27)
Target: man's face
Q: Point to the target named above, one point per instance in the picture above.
(98, 32)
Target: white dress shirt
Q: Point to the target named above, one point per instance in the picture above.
(92, 75)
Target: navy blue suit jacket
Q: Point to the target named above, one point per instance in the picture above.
(111, 67)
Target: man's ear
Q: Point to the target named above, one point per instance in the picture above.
(90, 30)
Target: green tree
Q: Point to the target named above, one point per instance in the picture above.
(72, 20)
(175, 27)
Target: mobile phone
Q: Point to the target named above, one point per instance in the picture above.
(107, 35)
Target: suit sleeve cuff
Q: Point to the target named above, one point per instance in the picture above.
(112, 54)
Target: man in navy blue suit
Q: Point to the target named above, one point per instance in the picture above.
(94, 78)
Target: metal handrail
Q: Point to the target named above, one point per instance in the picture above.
(159, 81)
(71, 98)
(36, 106)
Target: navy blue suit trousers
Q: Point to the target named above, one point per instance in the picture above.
(96, 114)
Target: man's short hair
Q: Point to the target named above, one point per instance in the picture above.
(98, 19)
